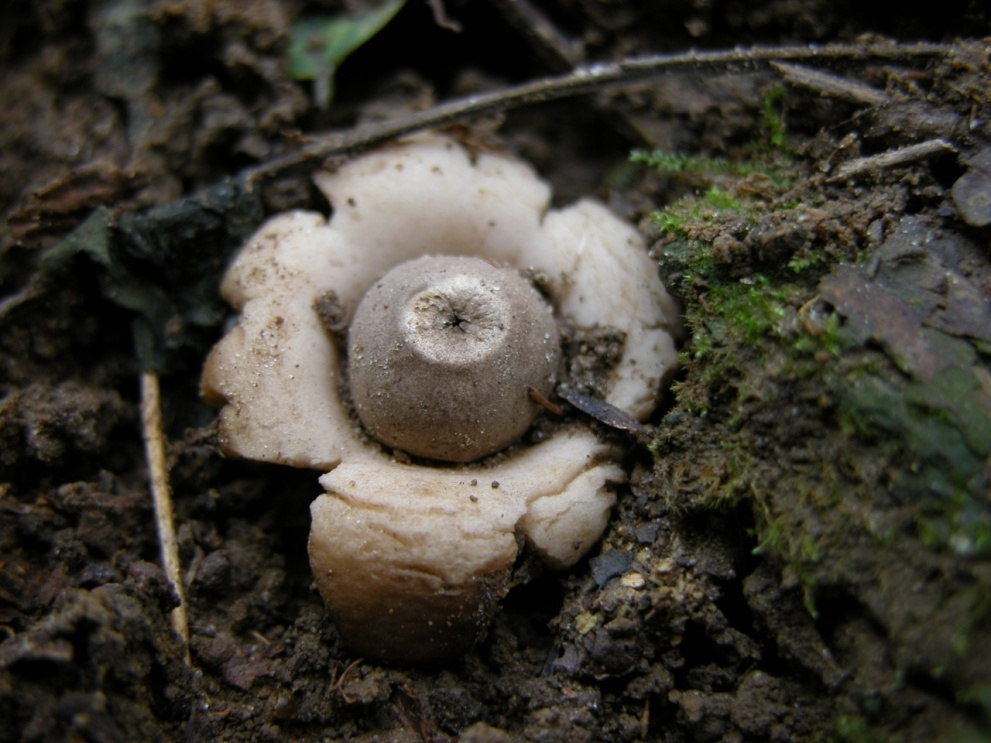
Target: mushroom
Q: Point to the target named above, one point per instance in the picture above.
(441, 353)
(423, 261)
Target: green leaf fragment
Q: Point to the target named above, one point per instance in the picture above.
(320, 43)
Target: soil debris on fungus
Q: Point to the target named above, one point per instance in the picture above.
(801, 551)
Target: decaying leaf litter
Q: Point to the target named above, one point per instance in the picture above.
(803, 549)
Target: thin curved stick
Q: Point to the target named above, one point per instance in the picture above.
(161, 494)
(586, 80)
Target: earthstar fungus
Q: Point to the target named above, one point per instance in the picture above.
(441, 353)
(412, 558)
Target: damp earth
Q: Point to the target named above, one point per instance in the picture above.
(803, 551)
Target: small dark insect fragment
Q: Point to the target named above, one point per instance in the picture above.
(602, 411)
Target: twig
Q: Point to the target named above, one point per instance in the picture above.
(560, 51)
(892, 158)
(441, 18)
(161, 495)
(581, 81)
(541, 399)
(828, 84)
(337, 682)
(32, 290)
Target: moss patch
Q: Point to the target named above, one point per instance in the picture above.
(836, 384)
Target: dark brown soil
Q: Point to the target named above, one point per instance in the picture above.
(804, 549)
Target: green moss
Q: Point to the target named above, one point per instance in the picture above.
(748, 312)
(676, 162)
(960, 523)
(781, 537)
(804, 260)
(709, 206)
(773, 164)
(852, 729)
(770, 538)
(772, 116)
(826, 337)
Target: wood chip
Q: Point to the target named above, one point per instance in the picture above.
(602, 411)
